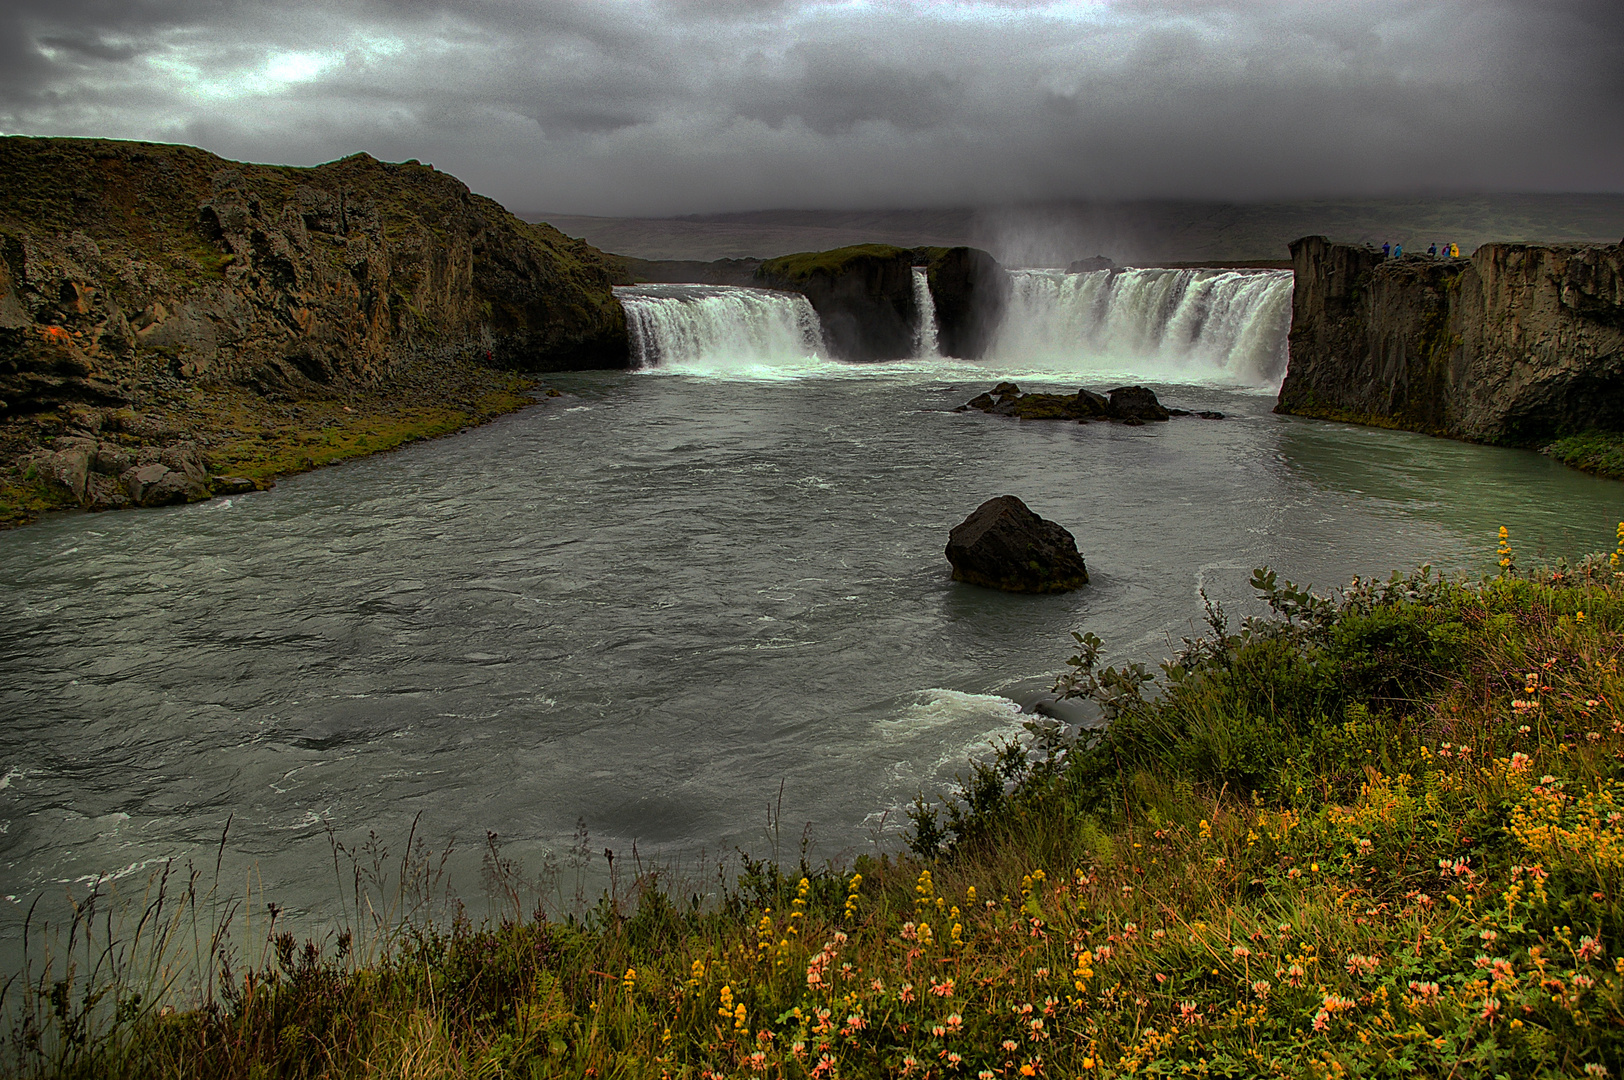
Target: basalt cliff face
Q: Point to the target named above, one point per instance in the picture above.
(133, 273)
(1517, 344)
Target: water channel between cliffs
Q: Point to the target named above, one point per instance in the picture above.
(657, 602)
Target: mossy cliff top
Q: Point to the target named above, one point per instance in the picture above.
(132, 274)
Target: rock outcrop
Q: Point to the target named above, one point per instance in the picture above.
(127, 260)
(1517, 344)
(1127, 404)
(971, 292)
(863, 296)
(135, 270)
(1004, 545)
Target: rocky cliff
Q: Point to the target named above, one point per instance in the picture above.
(1517, 344)
(864, 296)
(131, 272)
(970, 290)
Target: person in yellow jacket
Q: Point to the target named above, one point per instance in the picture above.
(1454, 251)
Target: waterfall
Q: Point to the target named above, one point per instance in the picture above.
(925, 343)
(719, 328)
(1225, 326)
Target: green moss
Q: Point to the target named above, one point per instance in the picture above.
(24, 499)
(803, 265)
(1599, 452)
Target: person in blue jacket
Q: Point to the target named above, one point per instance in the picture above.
(1432, 250)
(1398, 250)
(1387, 249)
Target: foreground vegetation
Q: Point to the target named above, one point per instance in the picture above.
(1375, 834)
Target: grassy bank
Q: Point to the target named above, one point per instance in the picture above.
(1375, 834)
(244, 434)
(1599, 452)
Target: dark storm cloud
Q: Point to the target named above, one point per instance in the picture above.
(682, 106)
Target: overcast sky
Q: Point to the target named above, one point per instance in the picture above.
(686, 106)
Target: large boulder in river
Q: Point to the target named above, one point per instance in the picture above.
(1004, 545)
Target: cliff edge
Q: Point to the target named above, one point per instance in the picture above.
(1517, 345)
(164, 279)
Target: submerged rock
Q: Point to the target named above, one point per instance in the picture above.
(1004, 545)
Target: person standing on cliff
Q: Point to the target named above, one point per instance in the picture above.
(1454, 251)
(1398, 250)
(1432, 251)
(1387, 249)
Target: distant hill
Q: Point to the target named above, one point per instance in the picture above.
(1055, 234)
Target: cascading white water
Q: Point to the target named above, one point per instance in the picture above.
(719, 328)
(1225, 326)
(925, 342)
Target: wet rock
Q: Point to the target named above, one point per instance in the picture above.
(1135, 403)
(1084, 266)
(1004, 545)
(232, 485)
(1210, 414)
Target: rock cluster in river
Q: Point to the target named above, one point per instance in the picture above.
(1004, 545)
(1131, 405)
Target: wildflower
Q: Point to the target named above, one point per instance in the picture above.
(985, 1074)
(1104, 953)
(907, 993)
(1491, 1010)
(1010, 1046)
(1206, 829)
(1519, 762)
(1037, 1029)
(1489, 937)
(726, 1008)
(1427, 992)
(1523, 729)
(757, 1061)
(1295, 975)
(909, 1064)
(629, 981)
(1596, 1068)
(1617, 558)
(1589, 948)
(1507, 564)
(878, 986)
(1593, 736)
(1261, 988)
(1241, 952)
(1322, 1021)
(1583, 982)
(1158, 934)
(1027, 1070)
(1362, 965)
(1364, 846)
(955, 1023)
(739, 1018)
(1189, 1012)
(954, 1059)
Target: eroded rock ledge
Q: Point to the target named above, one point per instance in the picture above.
(1518, 344)
(139, 275)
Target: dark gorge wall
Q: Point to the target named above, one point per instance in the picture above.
(128, 262)
(864, 296)
(1517, 344)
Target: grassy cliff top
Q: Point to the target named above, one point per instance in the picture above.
(146, 196)
(806, 264)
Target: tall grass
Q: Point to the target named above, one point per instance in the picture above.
(1377, 833)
